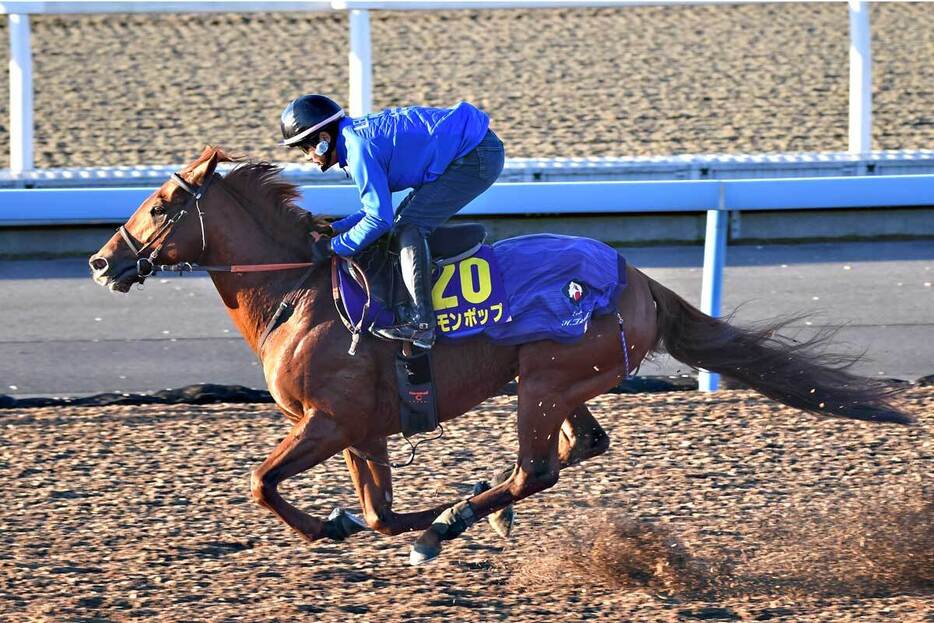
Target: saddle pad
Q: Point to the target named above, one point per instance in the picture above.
(468, 297)
(555, 285)
(518, 290)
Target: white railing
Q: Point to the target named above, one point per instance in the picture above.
(860, 78)
(21, 124)
(360, 91)
(634, 168)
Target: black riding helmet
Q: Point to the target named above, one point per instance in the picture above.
(304, 116)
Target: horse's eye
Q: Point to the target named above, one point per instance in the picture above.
(157, 210)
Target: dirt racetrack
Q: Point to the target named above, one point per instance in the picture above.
(724, 507)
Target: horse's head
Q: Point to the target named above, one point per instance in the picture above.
(167, 228)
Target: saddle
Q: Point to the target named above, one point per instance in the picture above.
(376, 269)
(377, 272)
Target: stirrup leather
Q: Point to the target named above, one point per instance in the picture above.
(418, 326)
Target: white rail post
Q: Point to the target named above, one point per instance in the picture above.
(712, 283)
(361, 63)
(860, 78)
(21, 148)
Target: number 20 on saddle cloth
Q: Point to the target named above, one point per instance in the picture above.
(517, 290)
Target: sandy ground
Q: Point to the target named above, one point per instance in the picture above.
(151, 89)
(724, 507)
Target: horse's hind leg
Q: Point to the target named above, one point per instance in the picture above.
(374, 487)
(554, 381)
(581, 438)
(312, 440)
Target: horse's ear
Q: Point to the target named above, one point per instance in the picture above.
(207, 162)
(206, 153)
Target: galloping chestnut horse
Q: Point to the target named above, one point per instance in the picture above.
(342, 403)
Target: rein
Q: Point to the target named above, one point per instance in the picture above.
(187, 267)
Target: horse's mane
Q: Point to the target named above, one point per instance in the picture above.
(252, 178)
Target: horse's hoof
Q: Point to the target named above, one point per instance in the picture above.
(421, 553)
(501, 521)
(425, 548)
(342, 524)
(349, 518)
(480, 487)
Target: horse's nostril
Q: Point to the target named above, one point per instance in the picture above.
(98, 264)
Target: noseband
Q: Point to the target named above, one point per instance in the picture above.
(145, 266)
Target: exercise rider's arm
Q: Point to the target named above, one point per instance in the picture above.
(341, 225)
(375, 218)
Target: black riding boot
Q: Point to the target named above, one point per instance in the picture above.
(418, 325)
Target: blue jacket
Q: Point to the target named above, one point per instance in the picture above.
(393, 150)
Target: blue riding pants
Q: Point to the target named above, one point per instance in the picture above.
(431, 204)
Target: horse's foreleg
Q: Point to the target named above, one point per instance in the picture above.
(374, 487)
(312, 440)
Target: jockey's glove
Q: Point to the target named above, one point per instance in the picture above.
(321, 250)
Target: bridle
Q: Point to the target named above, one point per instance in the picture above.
(146, 266)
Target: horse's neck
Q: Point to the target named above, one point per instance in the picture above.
(253, 298)
(238, 237)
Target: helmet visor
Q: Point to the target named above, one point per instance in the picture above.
(304, 134)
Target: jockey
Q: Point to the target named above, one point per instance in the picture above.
(447, 156)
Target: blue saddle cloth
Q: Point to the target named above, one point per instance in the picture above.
(523, 289)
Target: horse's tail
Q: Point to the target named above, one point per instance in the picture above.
(789, 371)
